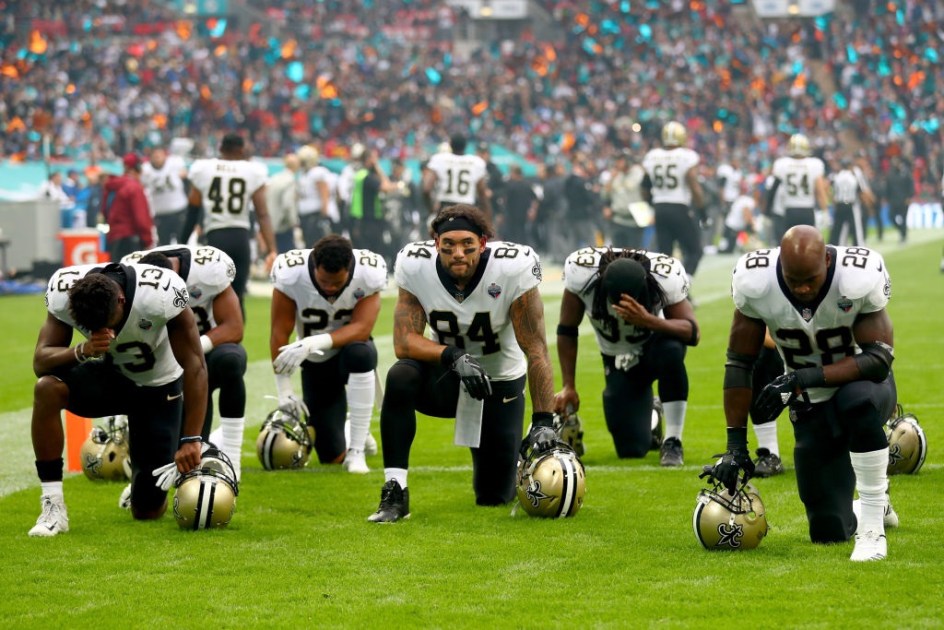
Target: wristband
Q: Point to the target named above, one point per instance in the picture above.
(206, 343)
(80, 356)
(813, 376)
(737, 438)
(542, 419)
(450, 355)
(187, 439)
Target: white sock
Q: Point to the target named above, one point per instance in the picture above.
(231, 430)
(767, 437)
(396, 473)
(871, 482)
(51, 488)
(674, 418)
(360, 406)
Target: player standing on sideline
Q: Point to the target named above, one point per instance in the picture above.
(804, 182)
(209, 274)
(136, 318)
(163, 179)
(454, 177)
(222, 190)
(673, 181)
(848, 188)
(637, 303)
(330, 296)
(313, 196)
(825, 308)
(481, 302)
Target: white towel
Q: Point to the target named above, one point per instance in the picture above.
(468, 420)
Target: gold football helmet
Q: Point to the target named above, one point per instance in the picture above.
(551, 483)
(284, 442)
(308, 155)
(799, 145)
(907, 446)
(105, 452)
(206, 496)
(726, 521)
(674, 134)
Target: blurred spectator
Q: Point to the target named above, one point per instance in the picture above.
(282, 199)
(625, 200)
(125, 206)
(94, 193)
(582, 206)
(899, 190)
(494, 179)
(519, 209)
(52, 189)
(163, 179)
(402, 206)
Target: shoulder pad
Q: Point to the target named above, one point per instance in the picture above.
(754, 274)
(372, 268)
(857, 281)
(412, 258)
(671, 276)
(580, 267)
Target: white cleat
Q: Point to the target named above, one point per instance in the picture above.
(869, 546)
(355, 463)
(53, 520)
(891, 516)
(370, 445)
(124, 501)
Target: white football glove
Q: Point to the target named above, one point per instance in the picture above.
(166, 476)
(288, 401)
(293, 354)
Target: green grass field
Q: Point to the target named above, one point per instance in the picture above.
(300, 553)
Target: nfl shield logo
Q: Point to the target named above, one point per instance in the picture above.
(144, 324)
(806, 314)
(195, 292)
(844, 304)
(494, 290)
(358, 293)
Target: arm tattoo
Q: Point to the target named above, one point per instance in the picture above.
(408, 317)
(527, 317)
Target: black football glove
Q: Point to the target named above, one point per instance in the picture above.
(542, 436)
(470, 371)
(785, 389)
(734, 460)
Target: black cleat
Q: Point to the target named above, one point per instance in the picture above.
(394, 504)
(671, 452)
(767, 464)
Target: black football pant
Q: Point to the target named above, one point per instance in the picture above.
(168, 227)
(155, 418)
(235, 242)
(851, 421)
(675, 223)
(226, 366)
(324, 393)
(434, 390)
(845, 217)
(796, 216)
(627, 398)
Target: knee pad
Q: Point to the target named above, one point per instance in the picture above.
(358, 357)
(230, 363)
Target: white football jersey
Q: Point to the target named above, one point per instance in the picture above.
(309, 198)
(227, 187)
(798, 179)
(294, 275)
(732, 181)
(208, 271)
(456, 177)
(667, 169)
(819, 333)
(614, 335)
(164, 186)
(141, 348)
(476, 319)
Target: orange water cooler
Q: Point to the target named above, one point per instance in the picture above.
(80, 247)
